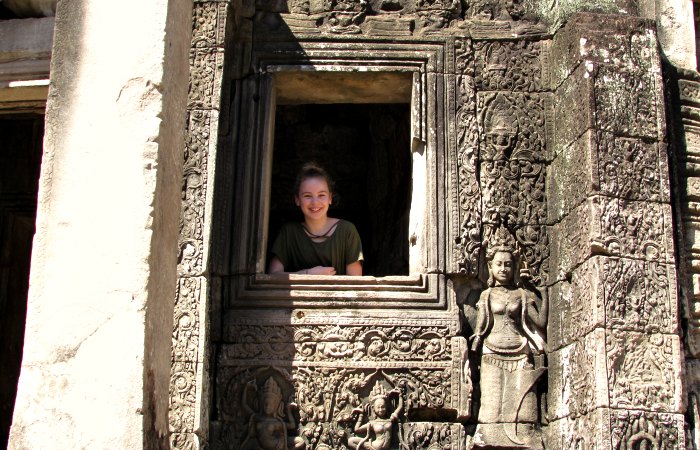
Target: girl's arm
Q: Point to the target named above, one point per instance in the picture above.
(277, 267)
(354, 269)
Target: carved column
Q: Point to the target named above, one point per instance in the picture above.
(189, 386)
(616, 357)
(686, 144)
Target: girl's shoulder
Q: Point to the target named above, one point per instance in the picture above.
(346, 225)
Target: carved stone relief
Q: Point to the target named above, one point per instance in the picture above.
(469, 243)
(351, 382)
(643, 371)
(341, 407)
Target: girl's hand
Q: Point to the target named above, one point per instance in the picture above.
(321, 270)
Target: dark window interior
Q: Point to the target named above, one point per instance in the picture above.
(366, 149)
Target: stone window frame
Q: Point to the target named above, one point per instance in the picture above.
(428, 60)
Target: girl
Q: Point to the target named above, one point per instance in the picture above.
(320, 245)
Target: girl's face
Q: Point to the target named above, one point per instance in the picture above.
(314, 198)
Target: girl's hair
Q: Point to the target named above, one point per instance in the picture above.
(313, 170)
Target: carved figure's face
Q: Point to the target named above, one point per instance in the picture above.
(502, 269)
(314, 198)
(380, 407)
(271, 404)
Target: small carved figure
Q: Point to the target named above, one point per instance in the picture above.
(379, 428)
(509, 329)
(267, 430)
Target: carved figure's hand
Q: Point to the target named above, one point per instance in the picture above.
(525, 275)
(357, 410)
(321, 270)
(476, 342)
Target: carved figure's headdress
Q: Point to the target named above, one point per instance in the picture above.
(271, 388)
(501, 240)
(378, 392)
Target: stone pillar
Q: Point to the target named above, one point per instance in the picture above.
(97, 348)
(616, 356)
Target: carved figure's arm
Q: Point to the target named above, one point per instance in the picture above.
(359, 427)
(399, 407)
(481, 320)
(539, 317)
(246, 406)
(291, 423)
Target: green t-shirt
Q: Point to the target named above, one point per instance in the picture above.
(297, 251)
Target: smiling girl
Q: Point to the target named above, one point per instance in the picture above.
(320, 245)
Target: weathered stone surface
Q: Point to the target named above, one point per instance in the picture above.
(601, 163)
(96, 364)
(612, 429)
(644, 371)
(613, 227)
(616, 293)
(574, 374)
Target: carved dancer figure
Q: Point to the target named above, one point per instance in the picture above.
(509, 327)
(267, 430)
(379, 428)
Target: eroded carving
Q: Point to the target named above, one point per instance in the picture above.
(642, 370)
(380, 427)
(641, 429)
(346, 15)
(331, 342)
(271, 420)
(509, 66)
(469, 243)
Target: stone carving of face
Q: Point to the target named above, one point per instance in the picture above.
(502, 268)
(379, 407)
(271, 404)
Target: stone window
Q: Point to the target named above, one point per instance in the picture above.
(366, 147)
(321, 107)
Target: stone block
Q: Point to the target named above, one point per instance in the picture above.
(574, 108)
(202, 126)
(611, 227)
(627, 102)
(511, 66)
(183, 396)
(602, 163)
(615, 40)
(616, 293)
(184, 441)
(644, 371)
(608, 429)
(588, 431)
(206, 72)
(210, 24)
(189, 331)
(574, 374)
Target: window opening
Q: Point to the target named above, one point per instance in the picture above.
(366, 149)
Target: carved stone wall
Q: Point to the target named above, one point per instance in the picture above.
(560, 138)
(616, 353)
(685, 102)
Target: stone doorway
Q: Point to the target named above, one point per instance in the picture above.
(20, 161)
